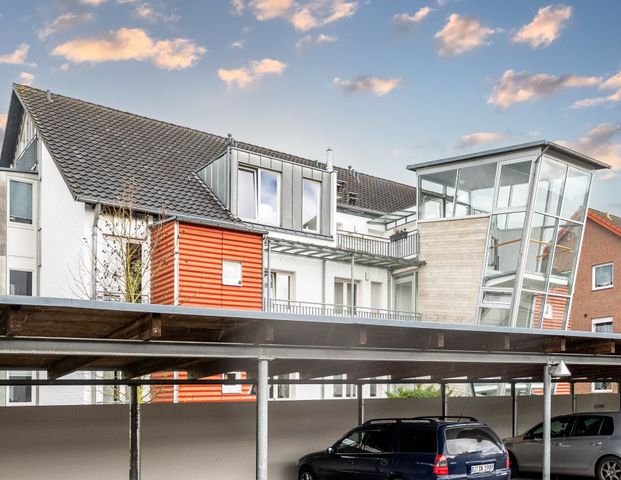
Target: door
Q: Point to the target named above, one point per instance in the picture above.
(583, 447)
(343, 296)
(375, 461)
(529, 452)
(340, 464)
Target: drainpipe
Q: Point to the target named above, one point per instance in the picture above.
(94, 246)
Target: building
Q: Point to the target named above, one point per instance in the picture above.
(597, 297)
(108, 205)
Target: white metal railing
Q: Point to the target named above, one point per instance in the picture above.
(401, 247)
(118, 296)
(313, 308)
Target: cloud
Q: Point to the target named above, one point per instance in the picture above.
(377, 86)
(310, 40)
(545, 27)
(473, 139)
(64, 68)
(404, 22)
(304, 16)
(238, 7)
(461, 34)
(517, 87)
(238, 44)
(26, 78)
(151, 13)
(132, 44)
(601, 143)
(245, 77)
(95, 3)
(3, 119)
(612, 83)
(64, 22)
(17, 57)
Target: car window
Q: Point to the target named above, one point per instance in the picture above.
(559, 427)
(608, 427)
(351, 443)
(418, 441)
(472, 440)
(587, 425)
(377, 441)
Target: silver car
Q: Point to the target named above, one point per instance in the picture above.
(584, 444)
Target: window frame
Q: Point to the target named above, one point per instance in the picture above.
(32, 280)
(256, 178)
(612, 276)
(241, 273)
(20, 373)
(318, 205)
(594, 323)
(13, 223)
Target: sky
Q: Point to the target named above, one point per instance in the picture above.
(385, 83)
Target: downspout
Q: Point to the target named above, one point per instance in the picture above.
(94, 240)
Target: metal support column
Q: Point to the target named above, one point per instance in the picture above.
(353, 283)
(572, 393)
(547, 414)
(513, 410)
(262, 407)
(443, 398)
(134, 433)
(360, 404)
(619, 393)
(268, 294)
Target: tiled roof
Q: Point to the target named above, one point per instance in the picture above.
(98, 149)
(608, 220)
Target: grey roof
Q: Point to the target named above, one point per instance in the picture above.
(591, 162)
(99, 149)
(608, 218)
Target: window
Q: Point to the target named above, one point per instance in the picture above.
(559, 427)
(404, 294)
(311, 205)
(282, 286)
(603, 276)
(133, 275)
(231, 273)
(475, 190)
(232, 389)
(20, 283)
(20, 394)
(503, 249)
(352, 443)
(343, 294)
(377, 441)
(281, 391)
(602, 325)
(437, 194)
(463, 440)
(575, 194)
(513, 188)
(550, 188)
(20, 210)
(260, 200)
(548, 311)
(339, 390)
(587, 426)
(418, 441)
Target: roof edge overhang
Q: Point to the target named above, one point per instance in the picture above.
(591, 215)
(544, 145)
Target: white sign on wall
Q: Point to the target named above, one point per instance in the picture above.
(231, 273)
(234, 389)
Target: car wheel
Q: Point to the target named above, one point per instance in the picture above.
(609, 468)
(307, 474)
(515, 468)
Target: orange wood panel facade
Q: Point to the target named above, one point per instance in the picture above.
(202, 250)
(163, 264)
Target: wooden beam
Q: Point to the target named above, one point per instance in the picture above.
(594, 347)
(216, 367)
(145, 367)
(12, 321)
(66, 365)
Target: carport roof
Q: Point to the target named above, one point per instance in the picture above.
(62, 335)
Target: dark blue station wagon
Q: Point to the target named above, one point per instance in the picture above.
(412, 448)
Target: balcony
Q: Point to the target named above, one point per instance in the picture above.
(400, 246)
(312, 308)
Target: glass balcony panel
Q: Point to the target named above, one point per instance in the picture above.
(498, 317)
(496, 298)
(575, 194)
(513, 188)
(540, 247)
(530, 310)
(437, 194)
(565, 257)
(550, 187)
(555, 312)
(503, 249)
(475, 189)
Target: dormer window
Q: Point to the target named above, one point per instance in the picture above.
(258, 196)
(311, 205)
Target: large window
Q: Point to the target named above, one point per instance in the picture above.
(20, 208)
(20, 394)
(258, 196)
(311, 205)
(20, 282)
(437, 194)
(475, 190)
(503, 249)
(513, 187)
(603, 276)
(404, 294)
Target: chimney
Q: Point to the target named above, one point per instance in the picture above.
(49, 95)
(329, 162)
(231, 140)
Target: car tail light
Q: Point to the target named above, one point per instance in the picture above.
(508, 461)
(440, 465)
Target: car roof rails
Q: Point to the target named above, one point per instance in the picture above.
(398, 420)
(441, 418)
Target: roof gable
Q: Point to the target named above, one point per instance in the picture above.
(606, 220)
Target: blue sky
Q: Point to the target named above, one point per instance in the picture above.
(385, 83)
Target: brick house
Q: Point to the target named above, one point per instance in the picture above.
(597, 296)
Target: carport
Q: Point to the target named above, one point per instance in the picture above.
(62, 336)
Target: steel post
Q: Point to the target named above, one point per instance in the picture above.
(514, 407)
(134, 433)
(262, 417)
(360, 404)
(547, 414)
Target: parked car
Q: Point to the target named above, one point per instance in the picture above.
(583, 444)
(411, 448)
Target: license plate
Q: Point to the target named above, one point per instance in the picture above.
(486, 467)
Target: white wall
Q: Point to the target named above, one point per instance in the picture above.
(198, 441)
(64, 231)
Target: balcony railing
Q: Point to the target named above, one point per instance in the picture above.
(116, 296)
(403, 246)
(312, 308)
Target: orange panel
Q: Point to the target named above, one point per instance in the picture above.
(162, 264)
